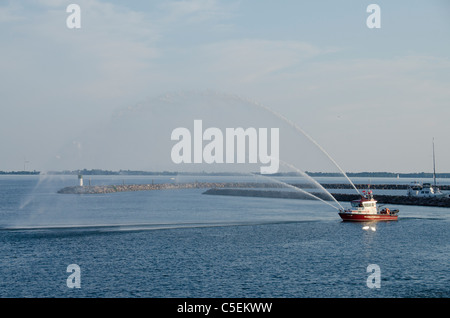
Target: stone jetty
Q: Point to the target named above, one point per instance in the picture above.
(366, 186)
(163, 186)
(382, 199)
(267, 190)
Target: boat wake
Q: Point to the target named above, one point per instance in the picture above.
(104, 228)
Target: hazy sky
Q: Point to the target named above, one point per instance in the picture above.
(373, 98)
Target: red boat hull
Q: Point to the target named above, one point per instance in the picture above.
(359, 217)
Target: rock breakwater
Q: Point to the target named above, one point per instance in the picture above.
(382, 199)
(259, 189)
(162, 186)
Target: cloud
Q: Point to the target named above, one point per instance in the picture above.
(10, 13)
(114, 48)
(57, 79)
(197, 11)
(52, 3)
(253, 59)
(235, 64)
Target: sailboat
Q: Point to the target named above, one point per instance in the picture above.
(427, 190)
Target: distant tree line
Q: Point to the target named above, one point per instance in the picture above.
(87, 172)
(34, 172)
(136, 172)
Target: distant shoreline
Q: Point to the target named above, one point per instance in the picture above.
(419, 175)
(20, 172)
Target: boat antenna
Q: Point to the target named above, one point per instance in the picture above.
(434, 166)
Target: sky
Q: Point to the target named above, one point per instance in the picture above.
(373, 98)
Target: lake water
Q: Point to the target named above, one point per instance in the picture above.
(180, 243)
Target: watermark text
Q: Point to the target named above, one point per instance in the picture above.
(189, 148)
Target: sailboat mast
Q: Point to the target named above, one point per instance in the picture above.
(434, 166)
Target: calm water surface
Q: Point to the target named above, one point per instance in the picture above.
(180, 243)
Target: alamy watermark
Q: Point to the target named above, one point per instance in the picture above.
(374, 279)
(189, 148)
(74, 279)
(73, 21)
(374, 19)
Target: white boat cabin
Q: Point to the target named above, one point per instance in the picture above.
(364, 206)
(426, 190)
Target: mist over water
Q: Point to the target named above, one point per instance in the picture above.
(40, 206)
(138, 137)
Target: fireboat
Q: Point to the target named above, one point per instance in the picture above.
(366, 210)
